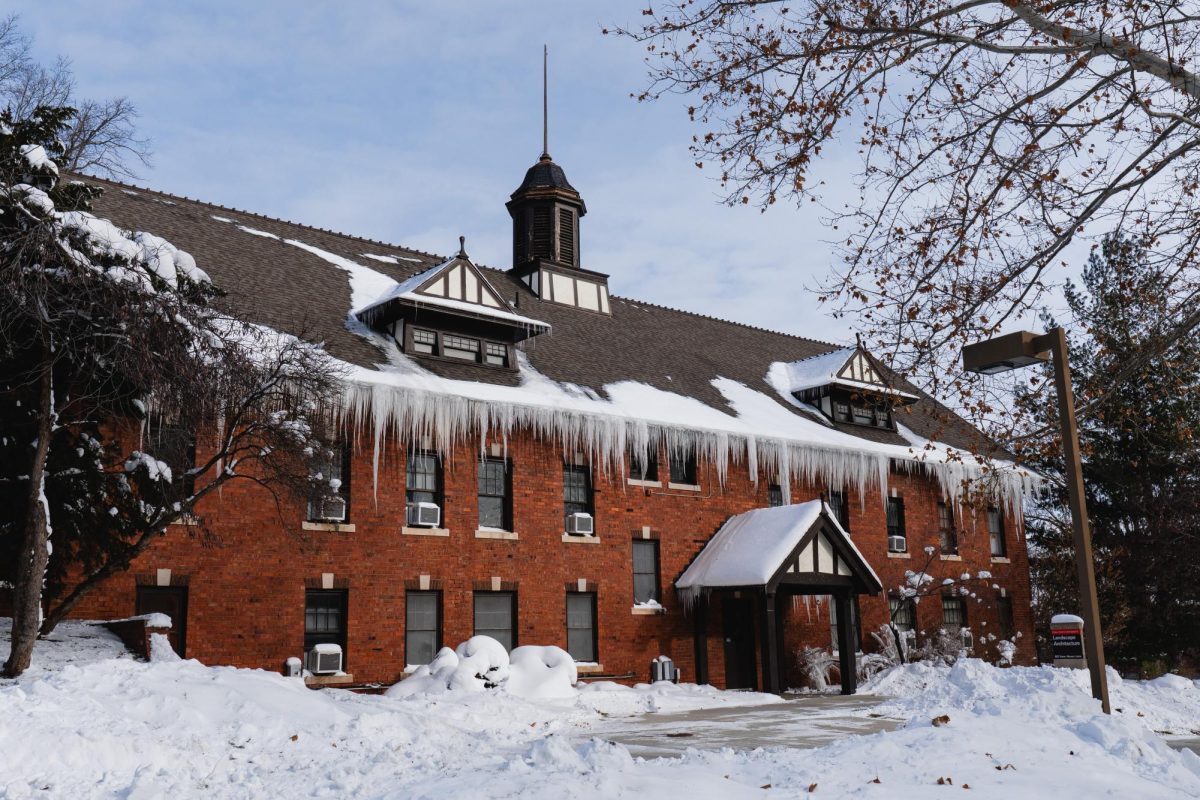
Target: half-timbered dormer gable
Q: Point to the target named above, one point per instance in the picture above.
(452, 312)
(848, 385)
(546, 210)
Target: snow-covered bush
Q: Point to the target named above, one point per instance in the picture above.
(815, 665)
(481, 663)
(944, 646)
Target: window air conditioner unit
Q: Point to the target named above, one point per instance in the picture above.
(897, 544)
(423, 515)
(581, 524)
(332, 509)
(325, 659)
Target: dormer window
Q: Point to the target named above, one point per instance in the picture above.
(847, 386)
(452, 312)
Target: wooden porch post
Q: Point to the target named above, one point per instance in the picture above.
(846, 644)
(771, 642)
(700, 613)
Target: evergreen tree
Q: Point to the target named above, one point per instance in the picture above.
(108, 340)
(1141, 463)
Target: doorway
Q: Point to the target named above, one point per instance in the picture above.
(741, 668)
(169, 600)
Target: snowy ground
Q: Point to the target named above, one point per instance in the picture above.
(88, 722)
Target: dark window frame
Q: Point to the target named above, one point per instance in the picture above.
(855, 624)
(839, 501)
(585, 500)
(438, 348)
(591, 598)
(895, 522)
(506, 513)
(950, 601)
(947, 531)
(683, 469)
(338, 637)
(651, 545)
(408, 630)
(1004, 618)
(411, 492)
(513, 630)
(343, 461)
(174, 443)
(996, 534)
(863, 411)
(774, 495)
(647, 472)
(902, 612)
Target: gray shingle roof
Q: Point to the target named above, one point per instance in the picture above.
(282, 286)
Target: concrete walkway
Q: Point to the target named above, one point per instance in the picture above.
(798, 721)
(1190, 743)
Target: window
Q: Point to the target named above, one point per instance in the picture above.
(897, 537)
(839, 501)
(683, 467)
(325, 619)
(581, 625)
(954, 613)
(841, 410)
(495, 510)
(424, 341)
(1004, 617)
(903, 612)
(422, 626)
(883, 418)
(174, 444)
(577, 490)
(645, 570)
(496, 354)
(996, 533)
(460, 347)
(946, 531)
(330, 480)
(644, 470)
(855, 633)
(495, 616)
(861, 415)
(423, 478)
(774, 495)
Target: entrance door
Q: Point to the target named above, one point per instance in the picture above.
(741, 671)
(169, 600)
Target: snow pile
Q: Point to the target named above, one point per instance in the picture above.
(84, 724)
(482, 663)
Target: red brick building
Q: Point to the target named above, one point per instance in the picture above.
(530, 457)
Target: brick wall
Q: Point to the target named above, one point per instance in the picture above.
(246, 574)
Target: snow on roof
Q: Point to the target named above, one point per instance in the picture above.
(407, 290)
(750, 547)
(822, 370)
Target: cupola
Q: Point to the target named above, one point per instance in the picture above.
(545, 211)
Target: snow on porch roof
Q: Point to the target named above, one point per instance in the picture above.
(750, 548)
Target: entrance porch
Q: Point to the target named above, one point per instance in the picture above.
(756, 562)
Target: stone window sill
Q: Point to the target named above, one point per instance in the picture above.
(648, 611)
(950, 557)
(1001, 560)
(317, 681)
(589, 669)
(495, 533)
(337, 527)
(684, 487)
(578, 539)
(407, 531)
(898, 555)
(186, 519)
(647, 484)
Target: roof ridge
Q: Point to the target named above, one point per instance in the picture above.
(267, 217)
(759, 328)
(441, 258)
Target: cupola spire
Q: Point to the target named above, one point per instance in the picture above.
(545, 103)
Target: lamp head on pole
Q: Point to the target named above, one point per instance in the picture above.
(1011, 351)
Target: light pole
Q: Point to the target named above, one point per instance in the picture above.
(1021, 349)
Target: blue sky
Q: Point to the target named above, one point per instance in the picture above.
(412, 122)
